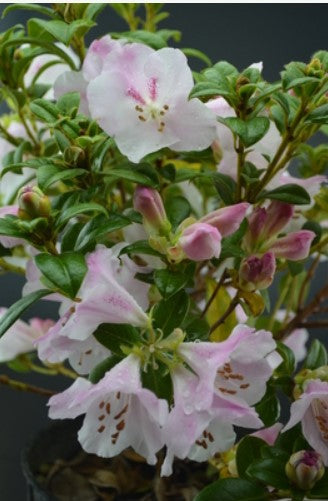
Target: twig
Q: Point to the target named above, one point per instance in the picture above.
(302, 315)
(229, 310)
(214, 293)
(20, 386)
(306, 280)
(314, 325)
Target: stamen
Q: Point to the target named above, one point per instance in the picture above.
(244, 386)
(101, 428)
(141, 118)
(102, 417)
(101, 405)
(121, 425)
(108, 408)
(118, 395)
(123, 411)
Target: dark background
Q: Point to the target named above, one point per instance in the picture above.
(239, 33)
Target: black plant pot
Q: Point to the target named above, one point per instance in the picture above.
(57, 441)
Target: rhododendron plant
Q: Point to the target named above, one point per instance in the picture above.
(152, 203)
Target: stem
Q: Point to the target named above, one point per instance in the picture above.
(314, 325)
(11, 139)
(240, 150)
(306, 280)
(302, 315)
(229, 310)
(214, 293)
(20, 386)
(27, 128)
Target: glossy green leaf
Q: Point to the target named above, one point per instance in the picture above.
(233, 489)
(169, 314)
(248, 451)
(113, 336)
(317, 356)
(290, 193)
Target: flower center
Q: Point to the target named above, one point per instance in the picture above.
(148, 108)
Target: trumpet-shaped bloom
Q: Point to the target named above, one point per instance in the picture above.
(312, 410)
(224, 381)
(119, 412)
(146, 106)
(20, 337)
(109, 294)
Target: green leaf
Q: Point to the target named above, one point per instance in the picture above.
(233, 489)
(177, 210)
(50, 174)
(288, 364)
(287, 439)
(100, 370)
(93, 10)
(189, 52)
(45, 110)
(169, 282)
(68, 101)
(290, 193)
(270, 472)
(65, 272)
(210, 89)
(133, 175)
(225, 186)
(268, 408)
(317, 356)
(77, 209)
(113, 336)
(319, 115)
(140, 247)
(40, 9)
(9, 226)
(59, 30)
(142, 36)
(249, 131)
(248, 451)
(169, 314)
(97, 227)
(16, 310)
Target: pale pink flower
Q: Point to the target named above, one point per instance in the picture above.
(200, 241)
(149, 203)
(224, 381)
(93, 65)
(312, 410)
(146, 106)
(296, 341)
(119, 412)
(20, 337)
(109, 294)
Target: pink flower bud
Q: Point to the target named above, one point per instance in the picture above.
(257, 272)
(294, 246)
(227, 220)
(200, 241)
(33, 203)
(149, 203)
(305, 468)
(264, 224)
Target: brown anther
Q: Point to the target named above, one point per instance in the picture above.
(142, 118)
(166, 107)
(118, 395)
(88, 352)
(210, 437)
(121, 425)
(123, 411)
(101, 405)
(108, 408)
(244, 386)
(101, 417)
(101, 428)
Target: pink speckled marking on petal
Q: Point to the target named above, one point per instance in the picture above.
(152, 86)
(132, 92)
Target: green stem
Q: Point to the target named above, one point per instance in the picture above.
(240, 150)
(20, 386)
(11, 139)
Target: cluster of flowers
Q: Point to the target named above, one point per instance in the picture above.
(139, 97)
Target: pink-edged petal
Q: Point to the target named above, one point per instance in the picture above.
(269, 435)
(312, 433)
(294, 246)
(96, 56)
(72, 402)
(228, 219)
(296, 341)
(235, 412)
(200, 241)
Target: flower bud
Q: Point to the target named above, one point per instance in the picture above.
(304, 469)
(33, 203)
(294, 246)
(257, 272)
(314, 68)
(74, 155)
(265, 224)
(200, 241)
(227, 220)
(149, 203)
